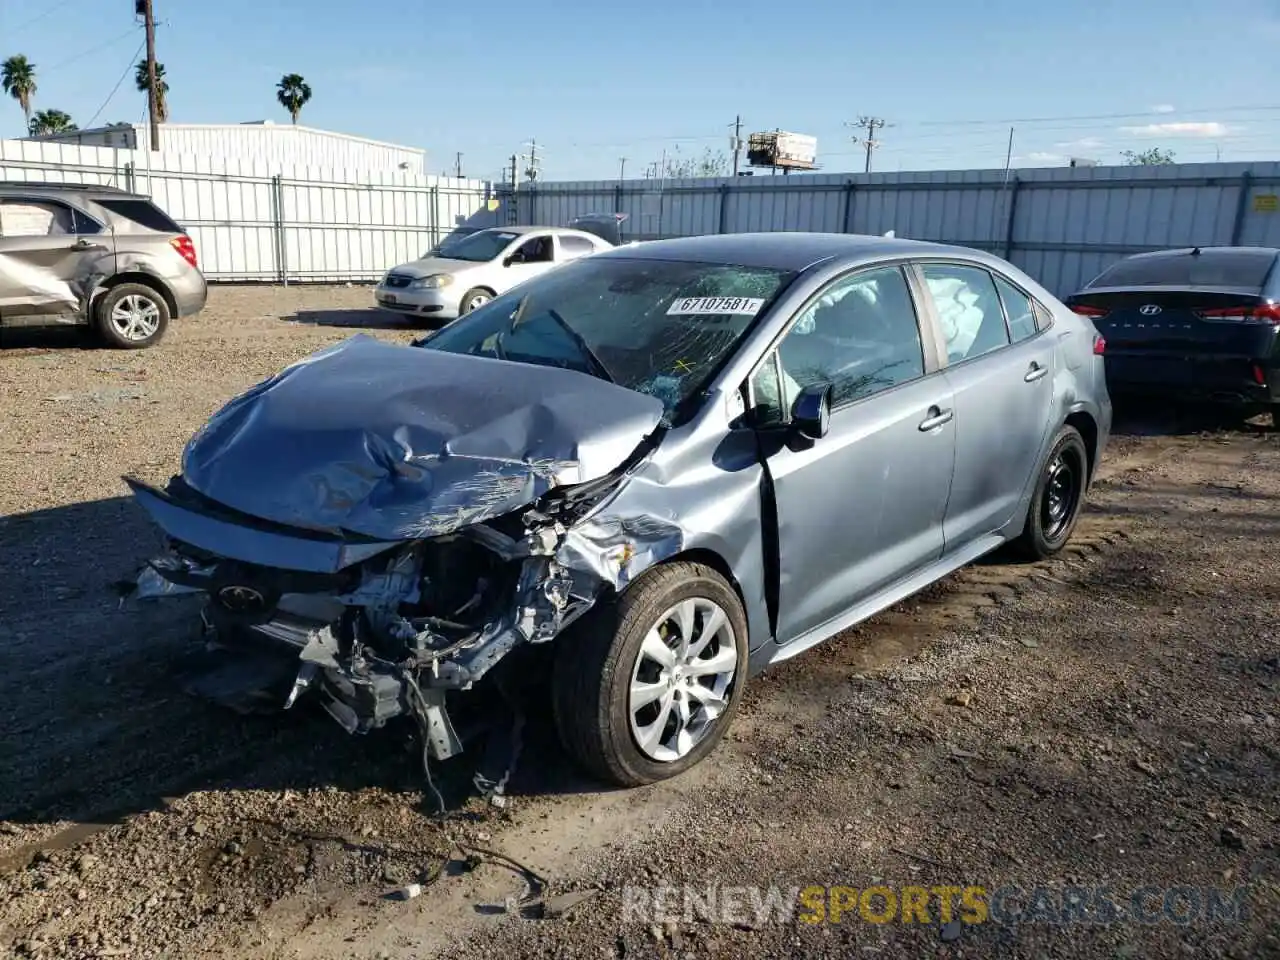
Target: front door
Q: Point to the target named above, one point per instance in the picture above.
(47, 255)
(531, 257)
(1001, 372)
(863, 506)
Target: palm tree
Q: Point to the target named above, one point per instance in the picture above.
(18, 77)
(50, 121)
(293, 93)
(141, 79)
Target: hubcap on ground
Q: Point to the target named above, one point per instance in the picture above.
(1061, 494)
(135, 317)
(681, 680)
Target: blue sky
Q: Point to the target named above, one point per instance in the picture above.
(596, 81)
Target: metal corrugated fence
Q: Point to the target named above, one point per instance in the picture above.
(252, 222)
(1063, 226)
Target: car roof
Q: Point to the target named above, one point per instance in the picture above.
(783, 250)
(534, 228)
(45, 186)
(1228, 251)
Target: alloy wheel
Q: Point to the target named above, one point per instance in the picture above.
(682, 679)
(135, 317)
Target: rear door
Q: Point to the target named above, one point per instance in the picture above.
(1000, 370)
(50, 252)
(570, 246)
(1195, 319)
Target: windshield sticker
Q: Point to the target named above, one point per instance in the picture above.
(715, 306)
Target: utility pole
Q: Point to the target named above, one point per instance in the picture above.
(869, 142)
(737, 142)
(531, 171)
(457, 166)
(514, 161)
(622, 168)
(149, 15)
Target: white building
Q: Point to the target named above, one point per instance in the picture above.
(262, 140)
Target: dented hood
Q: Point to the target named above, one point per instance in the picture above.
(396, 442)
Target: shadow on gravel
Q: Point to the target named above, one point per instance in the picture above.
(1143, 417)
(97, 725)
(52, 338)
(369, 319)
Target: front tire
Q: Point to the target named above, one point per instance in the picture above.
(131, 316)
(646, 686)
(1058, 497)
(473, 298)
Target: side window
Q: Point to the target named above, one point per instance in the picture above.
(35, 218)
(1018, 308)
(968, 308)
(534, 250)
(860, 335)
(768, 403)
(572, 247)
(1044, 319)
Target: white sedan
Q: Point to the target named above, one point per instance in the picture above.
(469, 270)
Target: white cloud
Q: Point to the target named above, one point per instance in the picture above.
(1083, 145)
(1178, 129)
(1162, 108)
(1041, 158)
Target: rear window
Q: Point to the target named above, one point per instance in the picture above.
(141, 212)
(1221, 268)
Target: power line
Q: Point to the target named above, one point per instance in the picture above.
(1146, 114)
(91, 50)
(116, 88)
(50, 11)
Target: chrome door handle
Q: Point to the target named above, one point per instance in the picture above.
(1035, 373)
(936, 418)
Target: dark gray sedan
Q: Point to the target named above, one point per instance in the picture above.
(669, 465)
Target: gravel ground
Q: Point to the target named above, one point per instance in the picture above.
(1109, 718)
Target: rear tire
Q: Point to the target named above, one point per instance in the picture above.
(634, 701)
(1058, 497)
(131, 316)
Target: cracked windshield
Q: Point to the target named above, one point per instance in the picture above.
(657, 327)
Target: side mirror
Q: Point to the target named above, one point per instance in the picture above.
(811, 413)
(508, 261)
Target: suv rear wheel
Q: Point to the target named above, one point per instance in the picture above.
(131, 316)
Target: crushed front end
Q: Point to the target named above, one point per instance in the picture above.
(373, 629)
(381, 525)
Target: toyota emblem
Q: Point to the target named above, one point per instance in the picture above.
(240, 599)
(1150, 310)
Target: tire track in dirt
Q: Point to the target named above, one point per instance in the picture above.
(889, 637)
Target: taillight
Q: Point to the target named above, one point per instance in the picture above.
(1259, 375)
(1263, 313)
(1099, 345)
(186, 249)
(1093, 313)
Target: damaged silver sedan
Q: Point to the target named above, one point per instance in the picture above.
(667, 465)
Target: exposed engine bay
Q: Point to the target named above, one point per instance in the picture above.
(387, 636)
